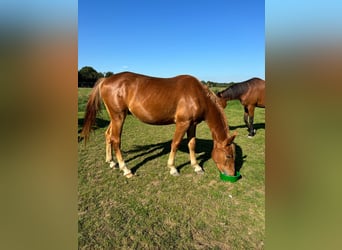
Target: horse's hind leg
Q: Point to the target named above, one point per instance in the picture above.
(109, 151)
(191, 133)
(116, 130)
(249, 120)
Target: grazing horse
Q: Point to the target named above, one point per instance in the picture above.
(251, 94)
(182, 100)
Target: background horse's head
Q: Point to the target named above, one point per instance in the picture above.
(223, 155)
(221, 101)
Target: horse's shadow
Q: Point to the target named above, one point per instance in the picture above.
(256, 126)
(203, 153)
(203, 148)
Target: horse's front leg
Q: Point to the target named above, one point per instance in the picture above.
(245, 117)
(251, 130)
(181, 128)
(251, 121)
(192, 145)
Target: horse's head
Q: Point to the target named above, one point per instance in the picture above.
(223, 155)
(221, 100)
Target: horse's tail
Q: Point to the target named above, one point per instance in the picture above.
(93, 106)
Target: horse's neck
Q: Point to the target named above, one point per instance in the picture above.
(217, 123)
(231, 95)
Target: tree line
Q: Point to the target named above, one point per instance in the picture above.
(87, 76)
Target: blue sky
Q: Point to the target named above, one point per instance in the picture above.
(292, 22)
(216, 40)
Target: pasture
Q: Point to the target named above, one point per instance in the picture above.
(154, 210)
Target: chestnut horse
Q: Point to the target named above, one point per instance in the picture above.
(182, 100)
(251, 94)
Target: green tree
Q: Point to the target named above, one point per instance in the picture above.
(109, 73)
(87, 76)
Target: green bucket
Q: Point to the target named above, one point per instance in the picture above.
(230, 178)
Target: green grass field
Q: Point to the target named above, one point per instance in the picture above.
(154, 210)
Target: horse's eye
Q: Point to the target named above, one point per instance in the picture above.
(229, 156)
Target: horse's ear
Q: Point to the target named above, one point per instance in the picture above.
(231, 138)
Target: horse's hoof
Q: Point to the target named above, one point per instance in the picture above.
(199, 172)
(129, 175)
(251, 135)
(112, 164)
(173, 171)
(175, 174)
(198, 169)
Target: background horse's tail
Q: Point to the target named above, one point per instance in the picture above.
(93, 106)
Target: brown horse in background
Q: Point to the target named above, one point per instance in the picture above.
(251, 94)
(182, 100)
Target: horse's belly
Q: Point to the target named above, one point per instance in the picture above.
(153, 116)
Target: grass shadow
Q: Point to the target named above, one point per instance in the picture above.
(203, 153)
(239, 158)
(256, 126)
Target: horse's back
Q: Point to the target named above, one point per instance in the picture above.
(153, 100)
(254, 92)
(143, 82)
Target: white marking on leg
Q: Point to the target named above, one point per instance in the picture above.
(173, 171)
(198, 169)
(170, 162)
(112, 164)
(127, 172)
